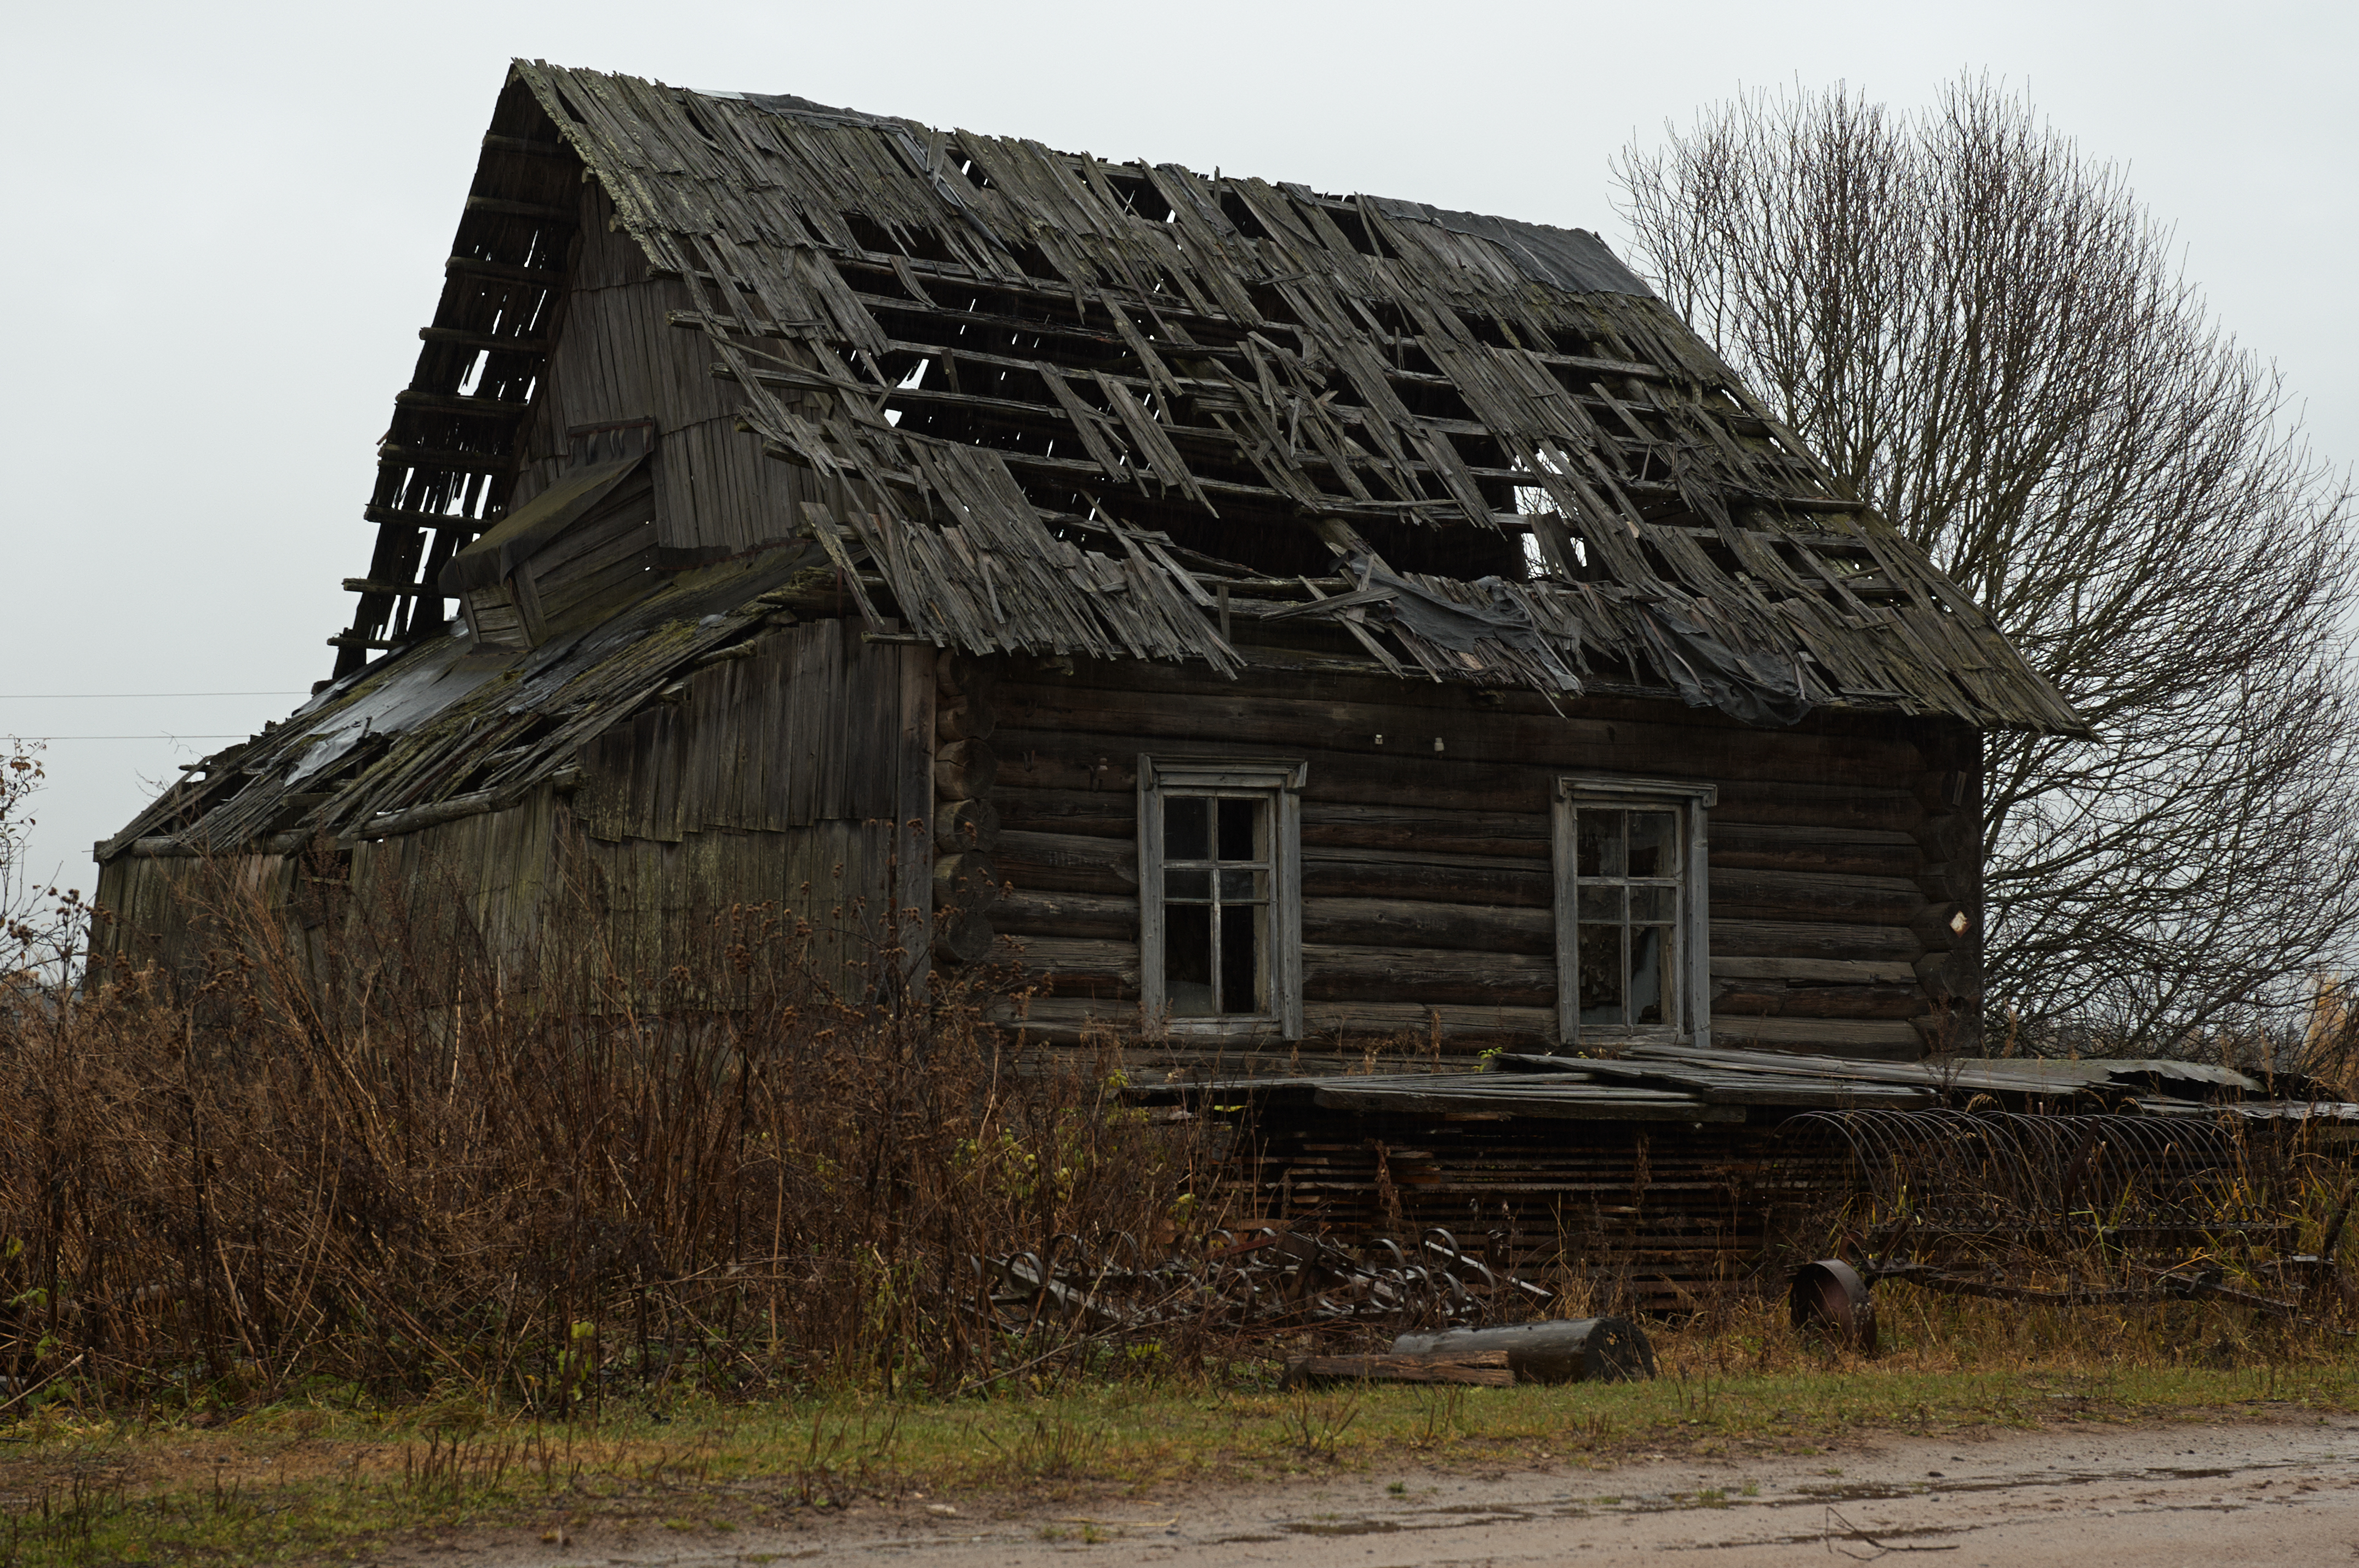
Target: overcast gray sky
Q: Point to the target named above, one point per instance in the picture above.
(231, 220)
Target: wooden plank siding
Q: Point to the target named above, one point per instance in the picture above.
(1427, 893)
(615, 359)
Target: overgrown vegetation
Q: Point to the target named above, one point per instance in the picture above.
(1985, 333)
(352, 1148)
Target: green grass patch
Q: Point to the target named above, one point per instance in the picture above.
(308, 1482)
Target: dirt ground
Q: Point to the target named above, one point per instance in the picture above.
(2286, 1494)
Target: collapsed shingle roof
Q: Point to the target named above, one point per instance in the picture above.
(1068, 406)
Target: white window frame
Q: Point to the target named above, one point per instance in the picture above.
(1282, 782)
(1693, 803)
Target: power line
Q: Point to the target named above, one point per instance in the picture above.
(94, 695)
(158, 735)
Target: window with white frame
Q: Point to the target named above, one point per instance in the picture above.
(1633, 945)
(1220, 894)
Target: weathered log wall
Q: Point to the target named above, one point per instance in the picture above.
(1428, 904)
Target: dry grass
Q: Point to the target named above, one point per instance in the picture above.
(315, 1478)
(346, 1148)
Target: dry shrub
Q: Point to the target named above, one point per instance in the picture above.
(358, 1144)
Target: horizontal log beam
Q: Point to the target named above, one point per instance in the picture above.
(1406, 923)
(1868, 1040)
(1735, 999)
(1346, 724)
(1050, 759)
(1028, 913)
(397, 589)
(1813, 895)
(1333, 973)
(356, 639)
(1782, 939)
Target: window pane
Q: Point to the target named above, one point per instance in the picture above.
(1600, 948)
(1242, 834)
(1245, 984)
(1243, 887)
(1188, 960)
(1187, 828)
(1654, 905)
(1654, 844)
(1193, 886)
(1650, 975)
(1602, 901)
(1597, 839)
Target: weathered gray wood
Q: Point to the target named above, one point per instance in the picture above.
(963, 770)
(1814, 896)
(1404, 922)
(1589, 1350)
(1403, 874)
(1069, 862)
(1797, 939)
(964, 825)
(1026, 912)
(1487, 1369)
(1331, 972)
(1827, 971)
(1732, 1001)
(1876, 1039)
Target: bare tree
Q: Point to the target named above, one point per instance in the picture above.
(1985, 335)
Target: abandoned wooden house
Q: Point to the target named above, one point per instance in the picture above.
(1277, 620)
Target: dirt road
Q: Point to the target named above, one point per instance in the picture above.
(2285, 1494)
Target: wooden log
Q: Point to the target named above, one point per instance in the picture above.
(965, 718)
(1238, 716)
(1428, 829)
(1335, 973)
(1408, 874)
(1487, 1369)
(1460, 1025)
(965, 880)
(963, 937)
(966, 825)
(1028, 912)
(1801, 939)
(1043, 760)
(1735, 999)
(1780, 846)
(964, 769)
(1588, 1350)
(1951, 976)
(1869, 1039)
(1941, 926)
(1069, 862)
(1404, 922)
(1826, 971)
(1813, 895)
(1102, 814)
(1087, 967)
